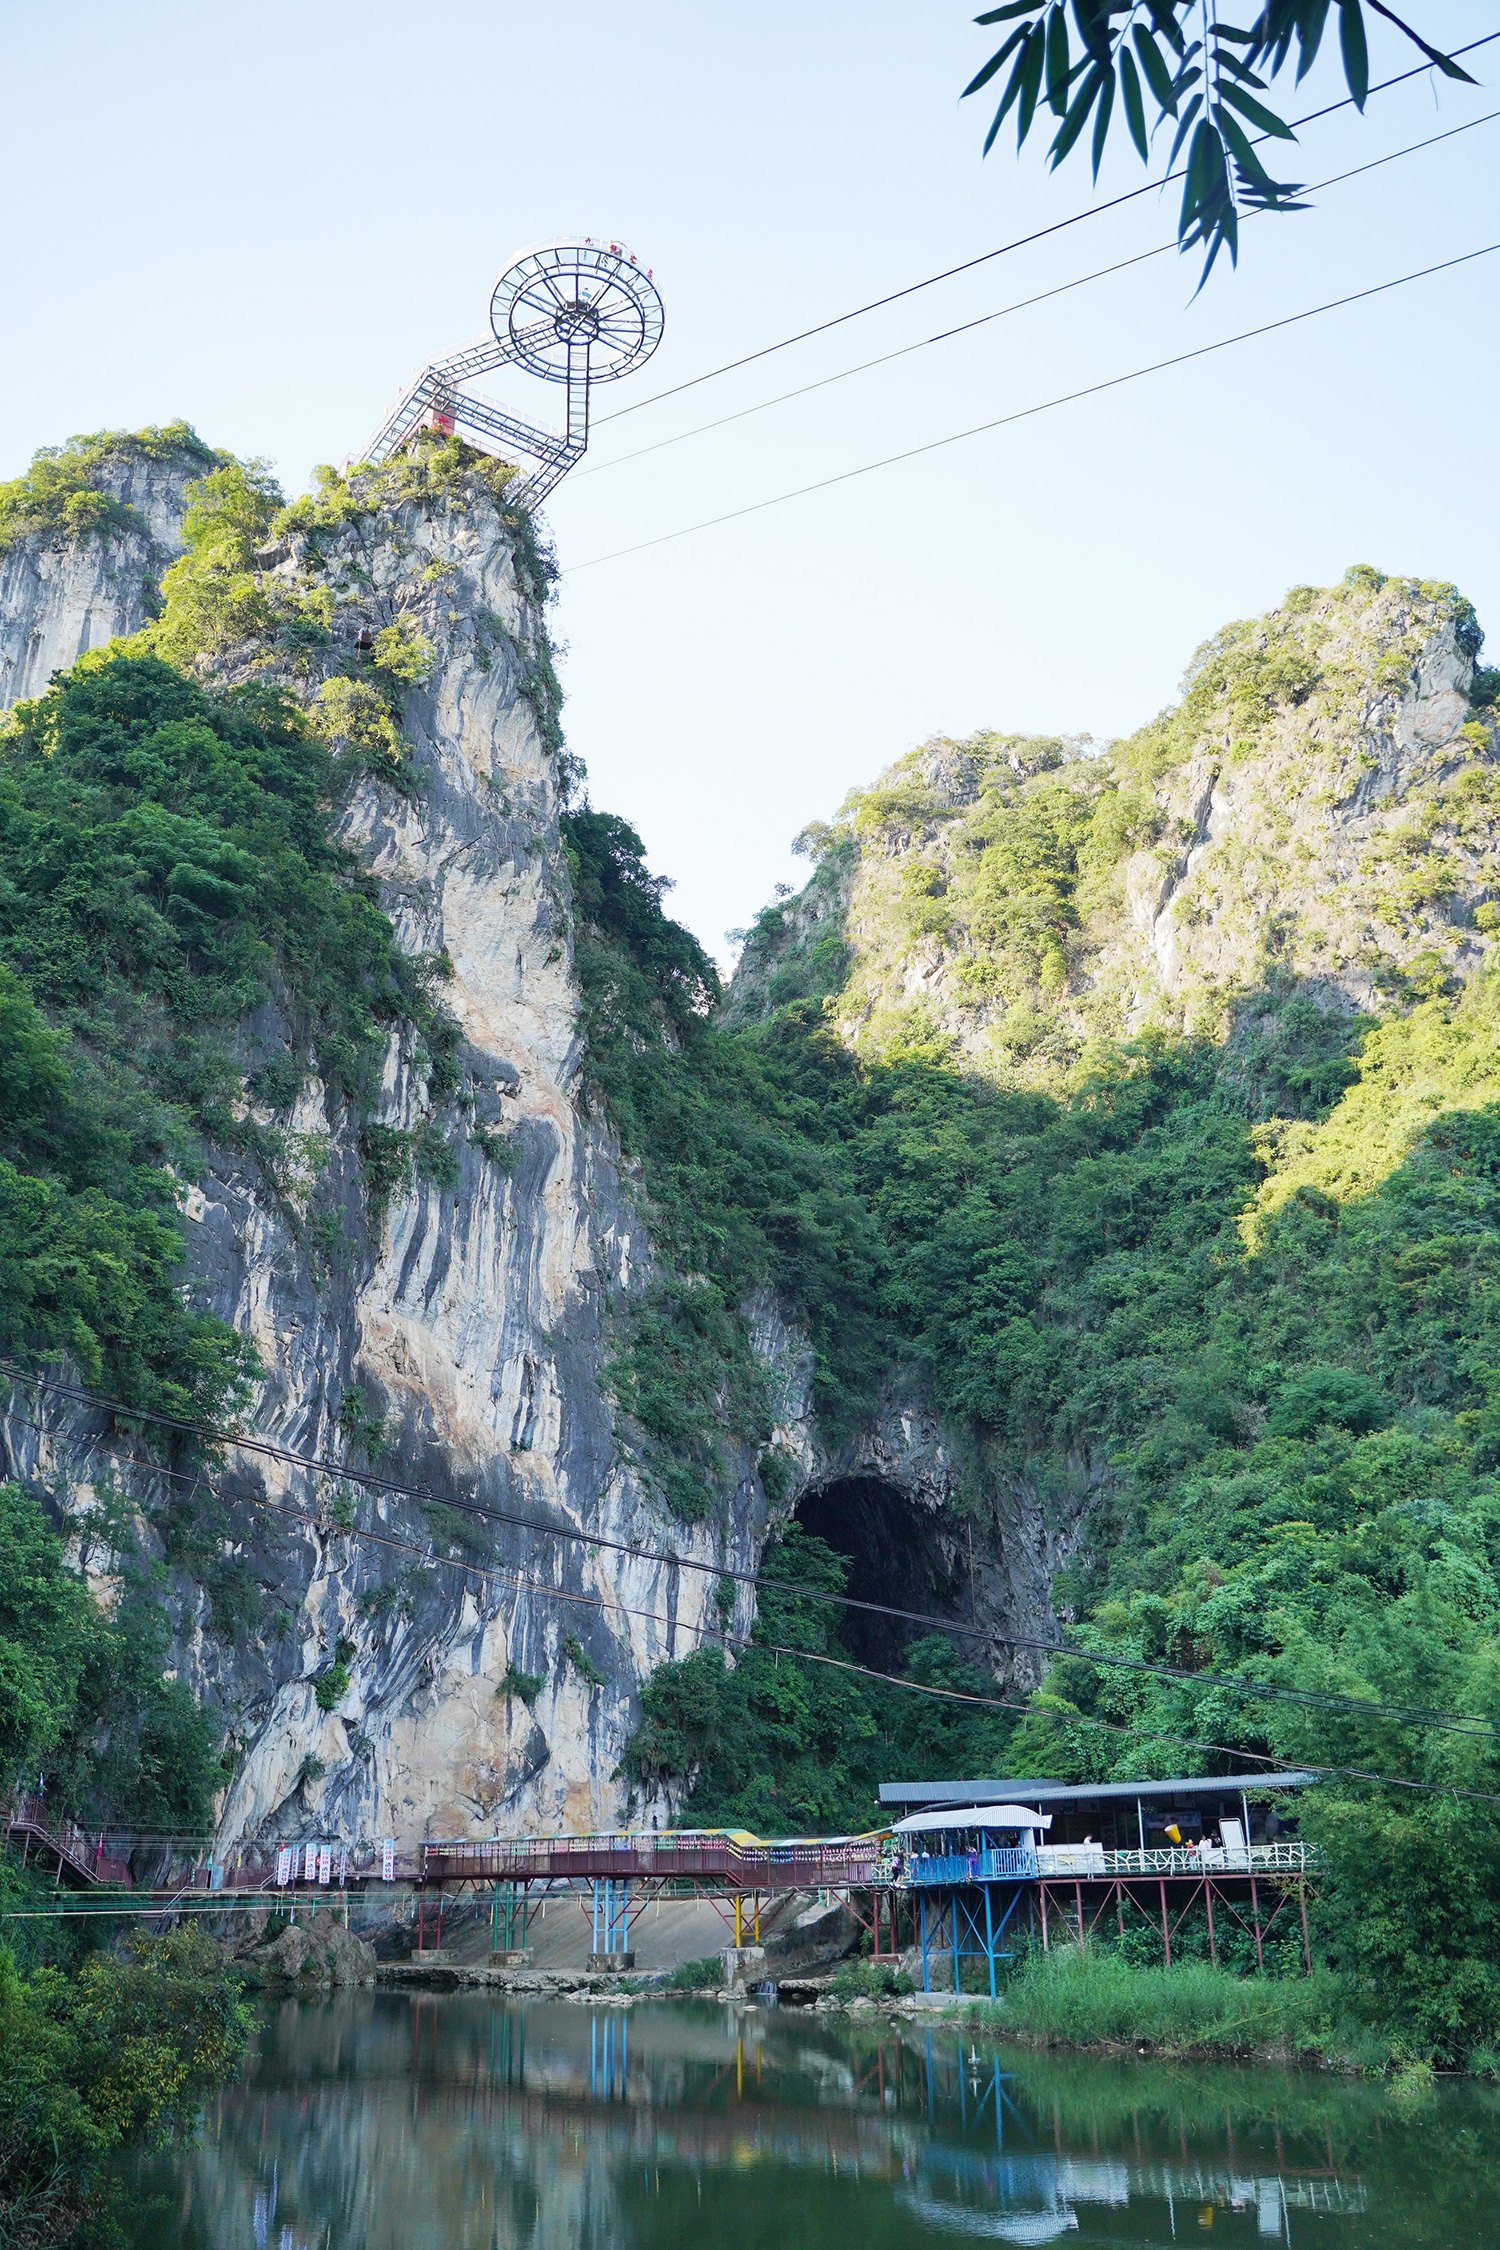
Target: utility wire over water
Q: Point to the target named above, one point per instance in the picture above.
(606, 1604)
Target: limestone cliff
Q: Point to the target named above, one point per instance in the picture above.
(75, 573)
(407, 1668)
(1321, 806)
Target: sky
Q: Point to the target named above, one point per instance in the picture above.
(264, 220)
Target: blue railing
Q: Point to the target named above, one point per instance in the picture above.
(995, 1864)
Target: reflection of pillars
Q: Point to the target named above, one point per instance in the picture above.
(1208, 1900)
(1302, 1902)
(594, 2055)
(1166, 1935)
(999, 2118)
(929, 2074)
(1260, 1959)
(739, 2069)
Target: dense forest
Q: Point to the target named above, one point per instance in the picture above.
(1252, 1277)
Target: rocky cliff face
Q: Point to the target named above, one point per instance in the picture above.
(62, 594)
(412, 1670)
(1320, 807)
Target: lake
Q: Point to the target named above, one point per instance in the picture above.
(375, 2120)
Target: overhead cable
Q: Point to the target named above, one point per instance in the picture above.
(1266, 1761)
(1022, 304)
(1460, 1723)
(1025, 413)
(1022, 242)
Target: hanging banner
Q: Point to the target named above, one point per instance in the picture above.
(325, 1863)
(388, 1859)
(343, 1865)
(309, 1863)
(283, 1868)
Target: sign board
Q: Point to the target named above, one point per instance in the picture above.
(283, 1868)
(388, 1859)
(325, 1863)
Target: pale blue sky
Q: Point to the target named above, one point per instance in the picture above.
(263, 218)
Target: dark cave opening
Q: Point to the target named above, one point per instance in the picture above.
(897, 1554)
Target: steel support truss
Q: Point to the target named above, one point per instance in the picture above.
(966, 1921)
(436, 399)
(1063, 1901)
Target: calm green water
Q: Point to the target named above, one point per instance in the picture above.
(379, 2121)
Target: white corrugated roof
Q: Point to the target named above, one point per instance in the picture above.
(972, 1816)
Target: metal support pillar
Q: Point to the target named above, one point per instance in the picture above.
(922, 1910)
(1166, 1935)
(1260, 1958)
(1302, 1902)
(1208, 1900)
(989, 1939)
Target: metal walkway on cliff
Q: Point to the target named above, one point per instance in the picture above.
(578, 312)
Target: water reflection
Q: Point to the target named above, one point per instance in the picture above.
(375, 2120)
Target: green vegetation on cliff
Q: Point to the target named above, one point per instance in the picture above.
(1244, 1290)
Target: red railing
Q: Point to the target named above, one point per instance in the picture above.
(72, 1848)
(797, 1863)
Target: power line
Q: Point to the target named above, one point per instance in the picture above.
(1459, 1723)
(1022, 242)
(1022, 304)
(1265, 1760)
(1025, 413)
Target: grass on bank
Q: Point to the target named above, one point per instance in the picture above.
(1098, 1998)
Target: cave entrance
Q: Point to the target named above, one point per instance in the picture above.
(897, 1553)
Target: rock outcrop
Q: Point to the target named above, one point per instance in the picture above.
(62, 594)
(1323, 806)
(411, 1669)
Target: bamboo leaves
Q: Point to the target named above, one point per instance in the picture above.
(1209, 88)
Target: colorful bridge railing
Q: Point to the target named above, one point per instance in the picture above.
(692, 1857)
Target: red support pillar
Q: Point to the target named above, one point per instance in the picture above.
(1166, 1935)
(1046, 1945)
(1260, 1959)
(1078, 1889)
(1120, 1908)
(1208, 1900)
(1302, 1902)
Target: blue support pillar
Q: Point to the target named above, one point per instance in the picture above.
(989, 1939)
(922, 1904)
(953, 1910)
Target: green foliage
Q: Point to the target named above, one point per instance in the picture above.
(872, 1980)
(333, 1684)
(1204, 77)
(82, 1696)
(58, 497)
(527, 1685)
(121, 2055)
(404, 651)
(212, 597)
(783, 1745)
(697, 1976)
(167, 865)
(1100, 1997)
(581, 1661)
